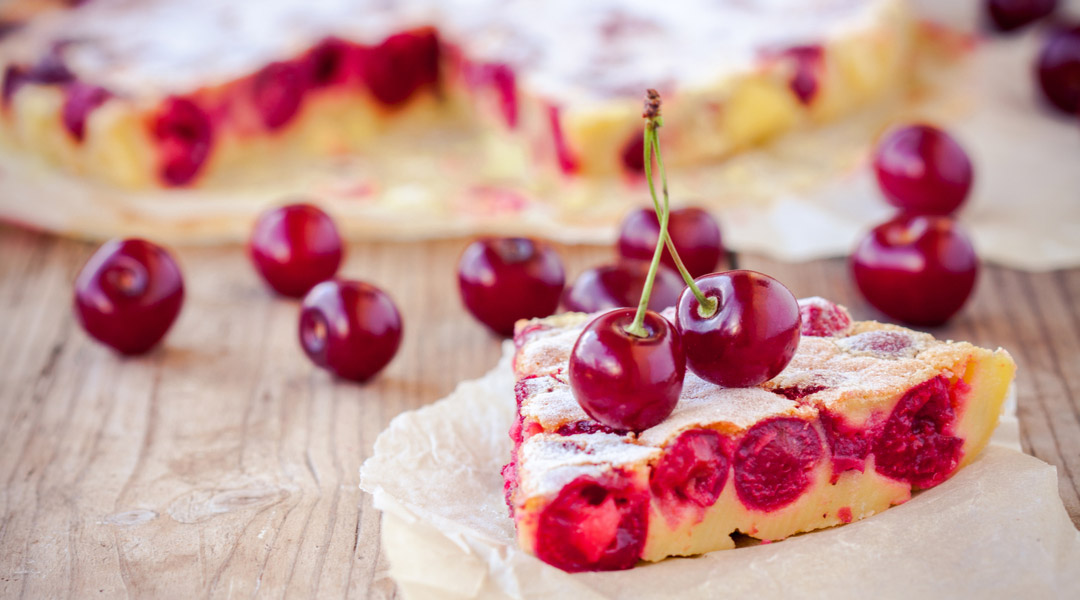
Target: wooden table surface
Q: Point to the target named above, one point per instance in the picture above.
(224, 464)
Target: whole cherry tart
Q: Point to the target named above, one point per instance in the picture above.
(923, 170)
(916, 269)
(129, 294)
(503, 280)
(295, 247)
(350, 328)
(695, 233)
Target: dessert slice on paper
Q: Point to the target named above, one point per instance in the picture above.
(863, 415)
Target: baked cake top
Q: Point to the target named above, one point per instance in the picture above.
(564, 50)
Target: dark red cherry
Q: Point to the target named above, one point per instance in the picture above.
(350, 328)
(922, 170)
(633, 156)
(1059, 70)
(295, 247)
(808, 66)
(694, 231)
(620, 285)
(400, 65)
(277, 91)
(626, 382)
(503, 280)
(129, 294)
(80, 100)
(752, 335)
(185, 137)
(915, 444)
(917, 269)
(1010, 15)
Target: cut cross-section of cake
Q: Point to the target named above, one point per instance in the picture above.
(863, 415)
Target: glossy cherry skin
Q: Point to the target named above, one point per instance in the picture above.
(350, 328)
(295, 247)
(693, 230)
(916, 269)
(1010, 15)
(129, 294)
(619, 285)
(503, 280)
(1058, 69)
(625, 382)
(922, 170)
(752, 335)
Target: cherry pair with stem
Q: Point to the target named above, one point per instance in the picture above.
(737, 328)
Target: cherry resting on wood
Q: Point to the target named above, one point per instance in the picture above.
(295, 247)
(619, 286)
(917, 269)
(129, 294)
(350, 328)
(693, 230)
(503, 280)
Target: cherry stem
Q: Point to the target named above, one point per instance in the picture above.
(706, 306)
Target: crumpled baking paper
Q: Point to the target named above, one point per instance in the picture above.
(997, 529)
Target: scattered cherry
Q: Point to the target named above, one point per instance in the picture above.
(619, 285)
(1010, 15)
(751, 335)
(503, 280)
(822, 318)
(918, 269)
(350, 328)
(625, 381)
(694, 232)
(129, 294)
(295, 247)
(922, 170)
(329, 62)
(1059, 70)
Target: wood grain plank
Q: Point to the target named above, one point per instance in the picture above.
(224, 464)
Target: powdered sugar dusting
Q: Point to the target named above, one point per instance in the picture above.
(548, 462)
(873, 363)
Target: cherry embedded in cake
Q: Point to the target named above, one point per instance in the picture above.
(863, 415)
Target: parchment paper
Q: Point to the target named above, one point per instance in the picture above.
(997, 529)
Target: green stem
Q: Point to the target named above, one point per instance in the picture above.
(637, 328)
(706, 306)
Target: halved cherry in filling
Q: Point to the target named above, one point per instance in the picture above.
(773, 462)
(328, 63)
(809, 61)
(594, 526)
(692, 472)
(80, 100)
(916, 444)
(277, 91)
(185, 136)
(400, 65)
(848, 444)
